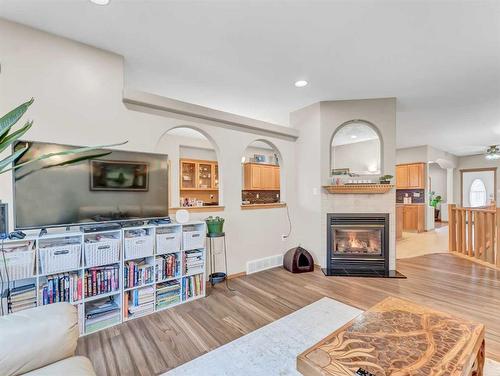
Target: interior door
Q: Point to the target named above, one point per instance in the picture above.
(478, 187)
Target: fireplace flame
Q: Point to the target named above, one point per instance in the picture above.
(354, 242)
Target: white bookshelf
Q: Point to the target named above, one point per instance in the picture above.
(158, 240)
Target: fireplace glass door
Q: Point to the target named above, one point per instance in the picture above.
(357, 240)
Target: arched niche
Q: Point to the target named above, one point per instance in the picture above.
(262, 173)
(194, 168)
(356, 149)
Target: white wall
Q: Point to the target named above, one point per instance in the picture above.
(438, 178)
(78, 101)
(316, 124)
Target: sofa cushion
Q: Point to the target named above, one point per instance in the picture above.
(74, 366)
(36, 337)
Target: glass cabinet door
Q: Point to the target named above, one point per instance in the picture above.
(216, 176)
(188, 175)
(204, 176)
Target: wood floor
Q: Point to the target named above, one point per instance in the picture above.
(156, 343)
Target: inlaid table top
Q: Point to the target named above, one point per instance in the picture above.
(398, 338)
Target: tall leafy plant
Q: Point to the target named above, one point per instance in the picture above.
(9, 136)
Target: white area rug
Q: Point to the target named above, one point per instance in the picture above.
(272, 349)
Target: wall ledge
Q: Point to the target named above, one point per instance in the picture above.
(263, 206)
(196, 209)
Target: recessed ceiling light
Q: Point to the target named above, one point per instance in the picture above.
(301, 83)
(354, 136)
(100, 2)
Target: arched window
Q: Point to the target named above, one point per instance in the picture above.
(477, 193)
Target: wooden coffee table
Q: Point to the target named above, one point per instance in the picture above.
(399, 338)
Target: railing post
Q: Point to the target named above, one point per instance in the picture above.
(452, 223)
(497, 224)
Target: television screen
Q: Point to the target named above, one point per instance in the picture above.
(117, 187)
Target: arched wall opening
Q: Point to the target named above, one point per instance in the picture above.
(194, 174)
(262, 174)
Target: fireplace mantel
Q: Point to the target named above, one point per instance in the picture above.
(358, 188)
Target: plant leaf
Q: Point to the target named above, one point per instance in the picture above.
(65, 163)
(11, 118)
(8, 160)
(9, 139)
(65, 152)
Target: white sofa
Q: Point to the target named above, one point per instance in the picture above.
(42, 341)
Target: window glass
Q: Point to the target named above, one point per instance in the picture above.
(477, 193)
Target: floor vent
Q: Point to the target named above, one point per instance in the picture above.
(255, 266)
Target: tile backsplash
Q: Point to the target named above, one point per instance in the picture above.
(260, 197)
(417, 195)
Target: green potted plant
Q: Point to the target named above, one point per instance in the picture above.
(8, 137)
(385, 179)
(214, 225)
(435, 201)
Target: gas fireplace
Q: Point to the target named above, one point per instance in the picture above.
(358, 245)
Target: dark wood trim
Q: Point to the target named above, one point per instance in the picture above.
(480, 169)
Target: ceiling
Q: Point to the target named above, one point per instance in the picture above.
(441, 59)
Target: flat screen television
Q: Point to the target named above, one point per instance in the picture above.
(120, 186)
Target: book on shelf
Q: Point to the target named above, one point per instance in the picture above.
(101, 280)
(167, 266)
(193, 261)
(139, 302)
(20, 298)
(137, 273)
(100, 314)
(62, 287)
(168, 293)
(192, 286)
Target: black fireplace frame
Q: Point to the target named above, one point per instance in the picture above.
(369, 265)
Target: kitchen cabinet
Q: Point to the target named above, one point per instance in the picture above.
(198, 175)
(261, 177)
(410, 176)
(413, 217)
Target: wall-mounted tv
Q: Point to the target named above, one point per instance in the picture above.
(117, 187)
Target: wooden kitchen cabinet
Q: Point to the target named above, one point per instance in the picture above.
(410, 176)
(413, 217)
(261, 177)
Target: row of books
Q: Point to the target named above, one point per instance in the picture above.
(167, 266)
(168, 293)
(63, 287)
(20, 298)
(100, 314)
(193, 261)
(137, 273)
(102, 280)
(139, 302)
(192, 286)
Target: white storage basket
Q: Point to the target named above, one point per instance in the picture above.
(193, 240)
(20, 263)
(168, 243)
(139, 247)
(102, 253)
(59, 258)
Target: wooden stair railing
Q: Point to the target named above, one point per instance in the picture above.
(474, 233)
